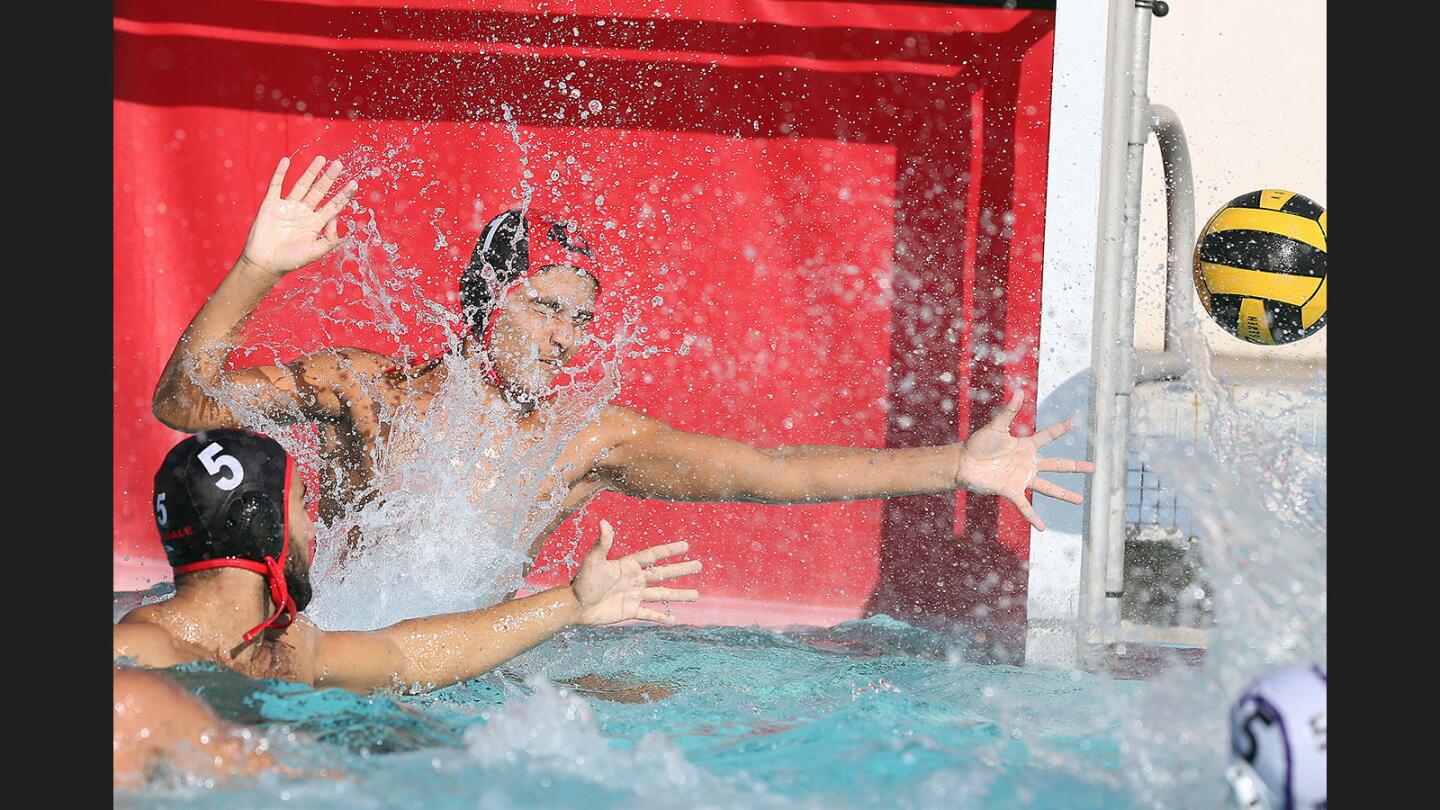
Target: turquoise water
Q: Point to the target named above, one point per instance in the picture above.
(865, 714)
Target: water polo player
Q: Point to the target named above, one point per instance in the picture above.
(158, 725)
(1278, 741)
(231, 515)
(529, 294)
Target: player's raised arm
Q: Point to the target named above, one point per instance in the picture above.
(289, 232)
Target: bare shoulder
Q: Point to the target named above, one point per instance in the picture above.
(619, 428)
(616, 426)
(620, 421)
(302, 634)
(149, 644)
(294, 650)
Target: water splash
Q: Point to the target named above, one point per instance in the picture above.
(554, 730)
(459, 491)
(758, 719)
(1256, 485)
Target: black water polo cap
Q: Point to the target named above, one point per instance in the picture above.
(220, 502)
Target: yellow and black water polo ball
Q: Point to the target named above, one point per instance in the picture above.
(1260, 267)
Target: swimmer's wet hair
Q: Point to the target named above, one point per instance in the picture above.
(502, 256)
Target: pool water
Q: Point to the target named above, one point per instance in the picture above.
(865, 714)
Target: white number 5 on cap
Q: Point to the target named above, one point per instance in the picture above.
(214, 464)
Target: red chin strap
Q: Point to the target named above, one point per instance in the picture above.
(279, 595)
(274, 572)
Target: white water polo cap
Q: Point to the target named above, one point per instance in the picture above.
(1277, 742)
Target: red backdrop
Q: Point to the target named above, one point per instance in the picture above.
(839, 207)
